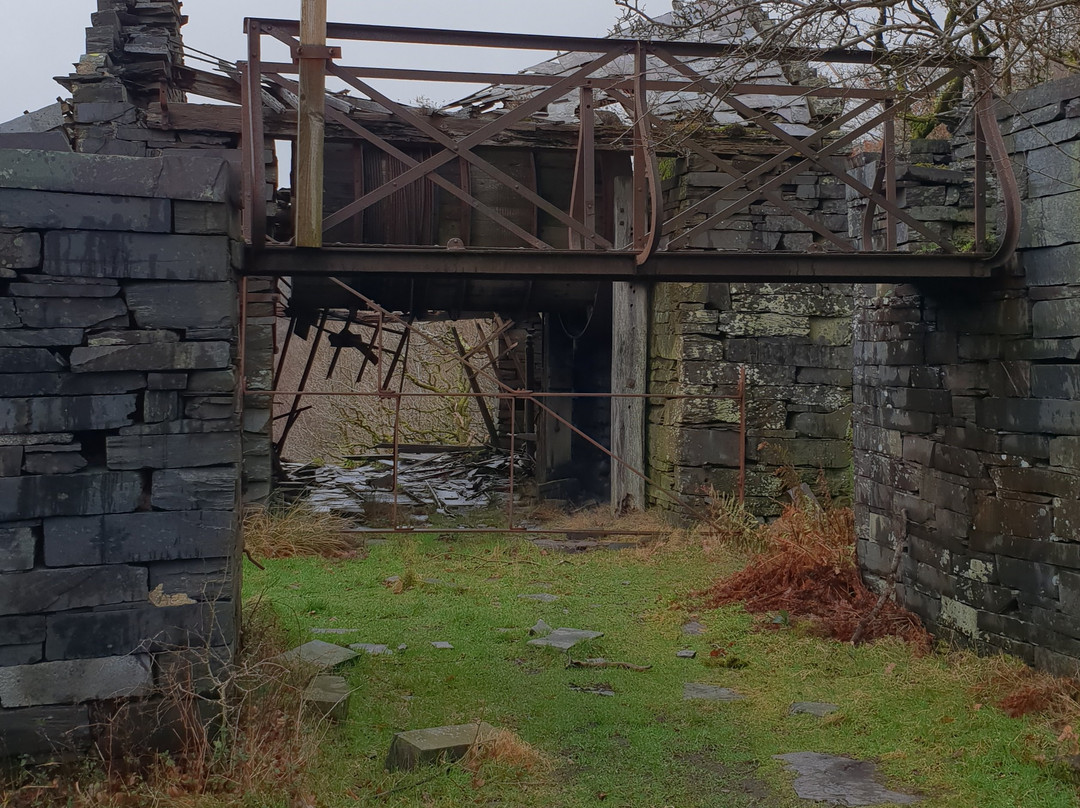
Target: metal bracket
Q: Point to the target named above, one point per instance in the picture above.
(325, 52)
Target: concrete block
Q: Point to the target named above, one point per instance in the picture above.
(44, 730)
(183, 305)
(144, 256)
(75, 681)
(17, 546)
(43, 210)
(436, 745)
(64, 414)
(20, 250)
(214, 489)
(86, 493)
(158, 356)
(172, 451)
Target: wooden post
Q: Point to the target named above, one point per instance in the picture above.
(311, 126)
(629, 369)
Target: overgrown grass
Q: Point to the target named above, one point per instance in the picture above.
(917, 716)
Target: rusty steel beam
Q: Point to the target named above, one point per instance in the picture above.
(542, 42)
(599, 265)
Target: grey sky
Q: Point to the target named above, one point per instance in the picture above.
(45, 38)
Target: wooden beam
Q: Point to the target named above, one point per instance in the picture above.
(311, 127)
(629, 371)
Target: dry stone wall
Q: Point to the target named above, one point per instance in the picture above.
(120, 434)
(967, 417)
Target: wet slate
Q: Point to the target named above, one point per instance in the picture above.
(566, 638)
(840, 781)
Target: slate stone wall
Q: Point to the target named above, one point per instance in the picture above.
(120, 434)
(967, 418)
(794, 339)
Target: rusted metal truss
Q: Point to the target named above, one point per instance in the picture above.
(660, 245)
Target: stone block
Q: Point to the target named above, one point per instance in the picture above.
(86, 493)
(156, 356)
(11, 459)
(21, 654)
(203, 578)
(1012, 517)
(187, 176)
(214, 489)
(75, 681)
(167, 381)
(1056, 318)
(1034, 480)
(329, 697)
(63, 414)
(139, 537)
(1029, 415)
(183, 305)
(68, 384)
(20, 250)
(17, 548)
(1065, 451)
(212, 381)
(172, 451)
(1052, 266)
(199, 218)
(47, 338)
(160, 405)
(316, 653)
(44, 731)
(137, 631)
(141, 256)
(1050, 221)
(564, 639)
(714, 447)
(57, 590)
(436, 745)
(66, 462)
(54, 312)
(28, 360)
(52, 211)
(1028, 577)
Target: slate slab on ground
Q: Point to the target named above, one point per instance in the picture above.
(566, 638)
(329, 695)
(318, 653)
(436, 744)
(818, 708)
(840, 781)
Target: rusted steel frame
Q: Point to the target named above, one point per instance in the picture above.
(457, 148)
(284, 352)
(770, 196)
(308, 365)
(535, 394)
(337, 349)
(488, 339)
(773, 162)
(583, 188)
(742, 434)
(888, 152)
(797, 147)
(689, 266)
(513, 438)
(646, 168)
(397, 454)
(485, 531)
(742, 88)
(690, 509)
(474, 383)
(1010, 192)
(889, 205)
(814, 157)
(982, 90)
(439, 180)
(253, 138)
(871, 208)
(402, 349)
(241, 349)
(544, 42)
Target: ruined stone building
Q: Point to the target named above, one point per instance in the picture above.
(144, 237)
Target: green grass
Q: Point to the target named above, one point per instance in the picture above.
(645, 746)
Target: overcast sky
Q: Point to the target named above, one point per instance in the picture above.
(44, 39)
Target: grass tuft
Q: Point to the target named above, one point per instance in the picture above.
(296, 532)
